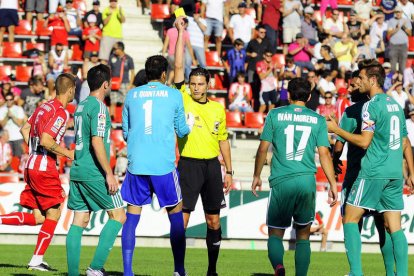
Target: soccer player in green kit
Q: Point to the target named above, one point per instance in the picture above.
(351, 121)
(379, 185)
(295, 131)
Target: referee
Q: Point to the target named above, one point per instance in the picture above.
(199, 167)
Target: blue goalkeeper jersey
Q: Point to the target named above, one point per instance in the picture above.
(152, 115)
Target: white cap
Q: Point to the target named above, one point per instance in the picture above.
(92, 18)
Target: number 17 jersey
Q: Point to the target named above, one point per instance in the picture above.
(294, 131)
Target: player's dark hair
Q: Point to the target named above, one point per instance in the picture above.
(373, 69)
(355, 74)
(120, 45)
(64, 82)
(97, 75)
(199, 71)
(299, 89)
(140, 78)
(155, 66)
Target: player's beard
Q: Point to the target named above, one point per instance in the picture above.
(357, 96)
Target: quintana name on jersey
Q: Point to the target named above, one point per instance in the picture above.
(149, 94)
(297, 118)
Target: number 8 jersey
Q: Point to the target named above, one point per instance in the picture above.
(294, 132)
(383, 116)
(91, 119)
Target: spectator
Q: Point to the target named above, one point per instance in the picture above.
(38, 6)
(266, 70)
(240, 95)
(8, 86)
(58, 63)
(399, 29)
(87, 64)
(271, 18)
(324, 39)
(345, 51)
(327, 63)
(388, 75)
(92, 36)
(196, 28)
(342, 102)
(400, 95)
(12, 118)
(54, 5)
(122, 68)
(113, 17)
(326, 85)
(145, 5)
(407, 8)
(9, 19)
(95, 10)
(410, 128)
(378, 31)
(241, 25)
(288, 72)
(363, 10)
(387, 7)
(365, 49)
(213, 11)
(32, 96)
(409, 77)
(309, 27)
(354, 27)
(39, 65)
(5, 151)
(292, 11)
(318, 228)
(324, 4)
(327, 109)
(74, 19)
(301, 52)
(333, 25)
(60, 28)
(140, 78)
(313, 102)
(236, 60)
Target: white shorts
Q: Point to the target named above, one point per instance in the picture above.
(289, 34)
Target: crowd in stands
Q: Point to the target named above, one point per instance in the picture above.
(260, 45)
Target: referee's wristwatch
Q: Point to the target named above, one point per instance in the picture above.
(230, 172)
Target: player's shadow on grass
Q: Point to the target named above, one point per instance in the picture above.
(262, 274)
(11, 266)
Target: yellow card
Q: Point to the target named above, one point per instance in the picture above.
(179, 12)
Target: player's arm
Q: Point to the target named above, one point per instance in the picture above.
(337, 163)
(49, 143)
(125, 119)
(25, 131)
(179, 52)
(408, 155)
(100, 153)
(226, 153)
(258, 165)
(362, 140)
(326, 163)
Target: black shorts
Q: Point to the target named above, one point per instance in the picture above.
(8, 17)
(36, 5)
(201, 177)
(268, 97)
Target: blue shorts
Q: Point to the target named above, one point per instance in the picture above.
(8, 17)
(214, 25)
(138, 189)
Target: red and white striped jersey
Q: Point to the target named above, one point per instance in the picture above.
(48, 118)
(341, 105)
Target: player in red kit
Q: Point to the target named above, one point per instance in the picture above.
(43, 193)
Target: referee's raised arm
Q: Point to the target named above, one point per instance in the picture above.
(179, 52)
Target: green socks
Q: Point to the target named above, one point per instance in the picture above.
(353, 248)
(73, 249)
(302, 257)
(275, 250)
(106, 241)
(388, 254)
(400, 245)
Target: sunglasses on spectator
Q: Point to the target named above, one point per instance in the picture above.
(10, 100)
(268, 55)
(328, 97)
(262, 32)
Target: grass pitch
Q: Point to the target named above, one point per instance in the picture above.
(158, 261)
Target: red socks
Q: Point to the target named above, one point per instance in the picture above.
(45, 236)
(18, 218)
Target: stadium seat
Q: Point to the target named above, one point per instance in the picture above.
(41, 30)
(279, 59)
(117, 138)
(411, 43)
(213, 59)
(5, 70)
(15, 163)
(23, 73)
(320, 176)
(217, 84)
(77, 53)
(233, 119)
(12, 49)
(9, 178)
(345, 2)
(159, 12)
(38, 45)
(220, 100)
(254, 119)
(118, 115)
(71, 108)
(24, 28)
(409, 62)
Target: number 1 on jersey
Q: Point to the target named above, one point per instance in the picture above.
(147, 106)
(290, 140)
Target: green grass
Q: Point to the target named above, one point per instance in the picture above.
(158, 261)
